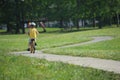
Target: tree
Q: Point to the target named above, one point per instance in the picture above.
(15, 12)
(116, 10)
(7, 14)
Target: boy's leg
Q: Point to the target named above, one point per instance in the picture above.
(35, 44)
(29, 45)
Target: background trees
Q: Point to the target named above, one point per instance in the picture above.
(15, 13)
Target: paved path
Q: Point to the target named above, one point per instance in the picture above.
(95, 39)
(103, 64)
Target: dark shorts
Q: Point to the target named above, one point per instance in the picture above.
(32, 40)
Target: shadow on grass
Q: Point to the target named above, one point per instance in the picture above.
(57, 31)
(61, 30)
(4, 33)
(8, 33)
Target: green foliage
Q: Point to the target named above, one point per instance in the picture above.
(60, 10)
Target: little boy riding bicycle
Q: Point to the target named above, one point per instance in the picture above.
(33, 32)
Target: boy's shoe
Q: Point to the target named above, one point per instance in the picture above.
(35, 44)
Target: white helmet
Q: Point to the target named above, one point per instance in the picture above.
(32, 24)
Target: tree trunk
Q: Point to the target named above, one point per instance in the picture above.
(22, 16)
(17, 28)
(110, 20)
(94, 24)
(82, 22)
(61, 23)
(8, 28)
(118, 21)
(17, 17)
(23, 29)
(77, 24)
(100, 23)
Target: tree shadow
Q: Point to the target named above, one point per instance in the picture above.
(58, 31)
(68, 31)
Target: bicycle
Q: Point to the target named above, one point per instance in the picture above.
(32, 46)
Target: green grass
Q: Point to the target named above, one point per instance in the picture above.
(105, 49)
(14, 67)
(25, 68)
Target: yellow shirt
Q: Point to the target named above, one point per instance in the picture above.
(33, 32)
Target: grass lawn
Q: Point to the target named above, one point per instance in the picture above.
(24, 68)
(105, 49)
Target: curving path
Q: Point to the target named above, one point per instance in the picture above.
(103, 64)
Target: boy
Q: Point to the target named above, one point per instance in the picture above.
(33, 32)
